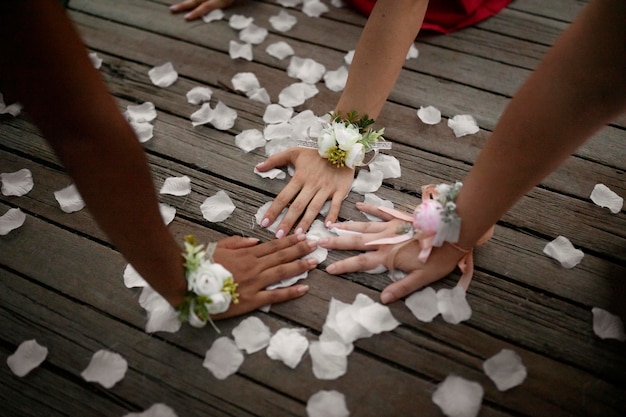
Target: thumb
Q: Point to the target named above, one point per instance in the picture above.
(410, 283)
(237, 242)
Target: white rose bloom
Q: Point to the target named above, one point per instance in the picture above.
(346, 136)
(325, 142)
(355, 155)
(220, 303)
(209, 278)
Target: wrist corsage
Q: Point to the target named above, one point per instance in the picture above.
(433, 223)
(346, 141)
(210, 287)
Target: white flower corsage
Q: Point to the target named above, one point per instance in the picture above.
(210, 287)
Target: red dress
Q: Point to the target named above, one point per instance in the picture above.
(446, 16)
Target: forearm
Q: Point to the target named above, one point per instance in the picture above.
(380, 54)
(49, 72)
(578, 88)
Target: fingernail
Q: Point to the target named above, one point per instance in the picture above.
(331, 269)
(173, 7)
(302, 289)
(188, 15)
(280, 233)
(299, 230)
(328, 224)
(300, 236)
(312, 243)
(265, 222)
(312, 261)
(387, 297)
(253, 239)
(322, 241)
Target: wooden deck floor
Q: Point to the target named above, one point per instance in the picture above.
(61, 282)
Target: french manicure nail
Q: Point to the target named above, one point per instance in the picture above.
(331, 268)
(328, 224)
(387, 297)
(280, 233)
(299, 230)
(265, 222)
(300, 236)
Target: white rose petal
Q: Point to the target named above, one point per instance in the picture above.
(349, 57)
(289, 3)
(202, 116)
(252, 335)
(278, 131)
(423, 304)
(167, 213)
(429, 115)
(28, 356)
(607, 325)
(223, 116)
(245, 81)
(273, 173)
(240, 50)
(140, 113)
(18, 183)
(296, 94)
(275, 113)
(177, 186)
(12, 109)
(163, 75)
(412, 53)
(463, 124)
(279, 50)
(143, 130)
(161, 315)
(563, 251)
(213, 15)
(283, 21)
(306, 69)
(253, 34)
(380, 269)
(199, 95)
(377, 318)
(330, 360)
(250, 139)
(327, 404)
(604, 197)
(223, 359)
(14, 218)
(336, 80)
(453, 305)
(288, 345)
(458, 397)
(106, 368)
(260, 215)
(314, 8)
(132, 279)
(156, 410)
(96, 61)
(374, 200)
(69, 199)
(218, 207)
(367, 182)
(259, 94)
(505, 369)
(238, 21)
(345, 324)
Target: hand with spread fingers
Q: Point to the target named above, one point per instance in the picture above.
(314, 182)
(199, 8)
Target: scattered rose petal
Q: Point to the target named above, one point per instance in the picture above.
(283, 21)
(18, 183)
(28, 356)
(423, 304)
(222, 117)
(177, 186)
(253, 34)
(344, 321)
(96, 61)
(325, 208)
(505, 369)
(275, 113)
(563, 251)
(367, 181)
(143, 130)
(13, 109)
(376, 318)
(161, 315)
(289, 3)
(273, 173)
(69, 199)
(380, 269)
(252, 335)
(260, 215)
(245, 81)
(330, 360)
(202, 116)
(218, 207)
(199, 95)
(288, 345)
(349, 57)
(296, 94)
(250, 139)
(429, 115)
(167, 213)
(463, 124)
(157, 410)
(607, 325)
(306, 69)
(412, 53)
(458, 397)
(327, 404)
(604, 197)
(106, 368)
(374, 200)
(223, 359)
(338, 3)
(259, 94)
(278, 131)
(387, 164)
(239, 22)
(306, 125)
(145, 112)
(336, 80)
(240, 50)
(132, 279)
(163, 75)
(11, 220)
(279, 50)
(213, 15)
(314, 8)
(453, 305)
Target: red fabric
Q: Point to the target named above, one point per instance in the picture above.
(447, 16)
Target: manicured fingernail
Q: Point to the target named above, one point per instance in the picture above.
(173, 7)
(253, 239)
(280, 233)
(299, 230)
(312, 243)
(302, 289)
(188, 15)
(387, 297)
(323, 241)
(328, 224)
(300, 236)
(312, 261)
(265, 222)
(331, 269)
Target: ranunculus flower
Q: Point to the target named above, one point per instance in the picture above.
(219, 303)
(427, 216)
(355, 155)
(325, 142)
(346, 136)
(208, 279)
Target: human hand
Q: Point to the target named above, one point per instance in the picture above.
(255, 266)
(315, 180)
(402, 256)
(199, 7)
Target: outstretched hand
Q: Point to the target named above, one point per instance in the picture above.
(315, 181)
(256, 266)
(199, 7)
(401, 256)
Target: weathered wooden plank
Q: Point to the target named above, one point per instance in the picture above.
(564, 10)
